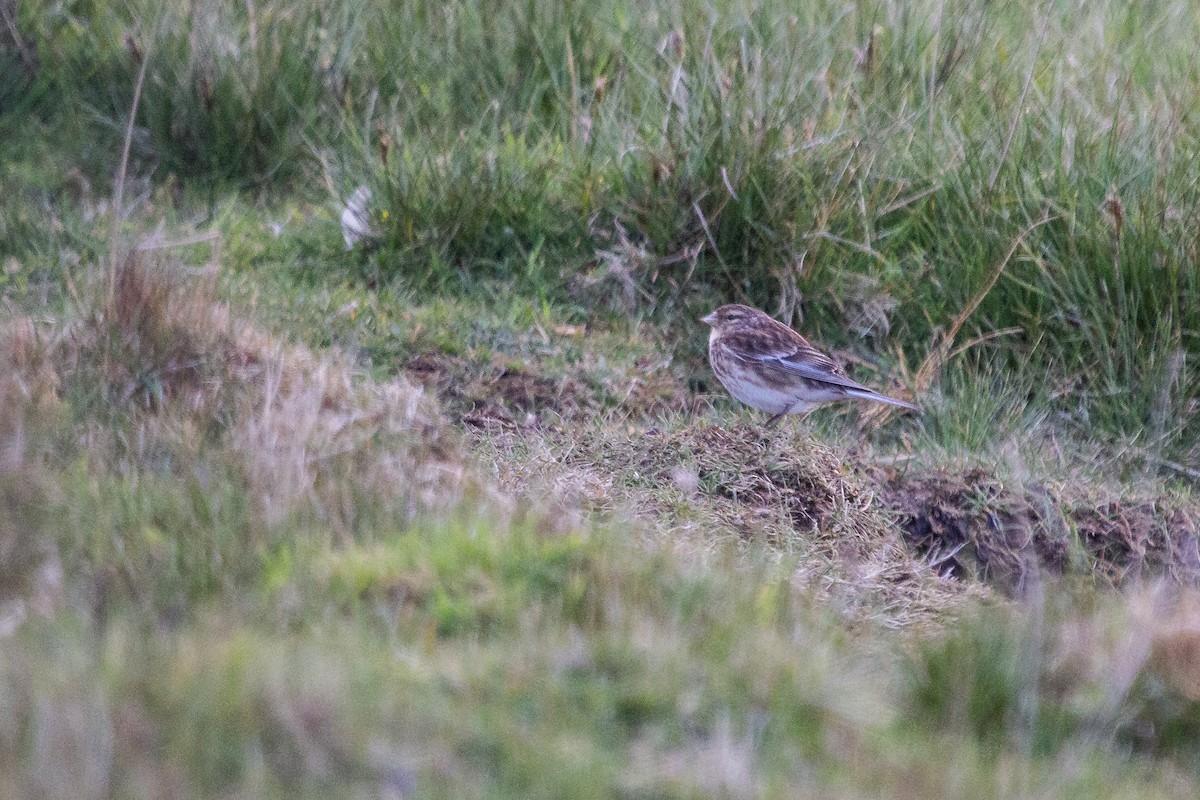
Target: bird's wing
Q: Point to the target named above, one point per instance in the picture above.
(808, 362)
(793, 355)
(811, 363)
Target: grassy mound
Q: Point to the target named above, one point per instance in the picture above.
(898, 530)
(156, 394)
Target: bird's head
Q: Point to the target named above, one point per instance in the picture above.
(729, 315)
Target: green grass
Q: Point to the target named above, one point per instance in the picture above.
(865, 170)
(462, 512)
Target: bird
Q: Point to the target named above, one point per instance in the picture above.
(769, 367)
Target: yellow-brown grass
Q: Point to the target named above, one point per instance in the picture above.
(160, 366)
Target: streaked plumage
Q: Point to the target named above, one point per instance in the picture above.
(769, 367)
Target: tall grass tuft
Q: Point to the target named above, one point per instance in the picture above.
(233, 95)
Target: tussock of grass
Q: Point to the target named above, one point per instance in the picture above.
(301, 423)
(1085, 670)
(231, 94)
(179, 417)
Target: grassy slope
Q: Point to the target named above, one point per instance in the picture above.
(245, 555)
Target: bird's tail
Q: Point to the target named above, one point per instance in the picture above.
(867, 394)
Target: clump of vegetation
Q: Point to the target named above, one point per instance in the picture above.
(1074, 670)
(203, 425)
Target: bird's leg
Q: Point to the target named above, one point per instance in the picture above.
(773, 421)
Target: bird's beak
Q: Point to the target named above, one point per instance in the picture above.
(710, 318)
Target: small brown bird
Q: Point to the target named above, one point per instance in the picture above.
(768, 366)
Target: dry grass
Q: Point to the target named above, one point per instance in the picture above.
(29, 569)
(162, 367)
(703, 487)
(513, 393)
(1014, 534)
(901, 543)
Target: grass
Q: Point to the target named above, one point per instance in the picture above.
(461, 511)
(641, 170)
